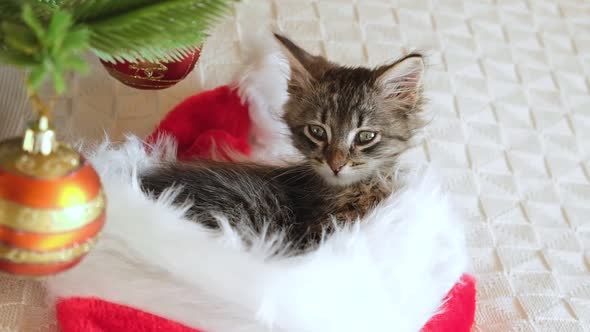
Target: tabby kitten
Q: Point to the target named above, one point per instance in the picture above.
(350, 124)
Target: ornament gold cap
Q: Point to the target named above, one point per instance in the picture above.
(38, 153)
(40, 137)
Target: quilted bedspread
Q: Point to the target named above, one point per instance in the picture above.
(509, 84)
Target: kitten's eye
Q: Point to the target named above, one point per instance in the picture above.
(365, 137)
(317, 132)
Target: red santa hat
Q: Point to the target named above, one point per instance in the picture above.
(403, 268)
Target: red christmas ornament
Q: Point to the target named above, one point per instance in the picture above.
(52, 206)
(152, 76)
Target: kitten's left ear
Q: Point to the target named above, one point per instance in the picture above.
(401, 82)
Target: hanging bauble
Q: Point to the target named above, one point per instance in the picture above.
(153, 75)
(52, 205)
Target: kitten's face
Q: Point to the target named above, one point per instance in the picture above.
(351, 123)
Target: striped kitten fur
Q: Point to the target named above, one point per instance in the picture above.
(350, 124)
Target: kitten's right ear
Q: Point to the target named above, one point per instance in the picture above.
(304, 66)
(401, 82)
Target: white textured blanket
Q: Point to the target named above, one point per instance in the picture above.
(511, 90)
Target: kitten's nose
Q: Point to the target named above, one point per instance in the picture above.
(336, 160)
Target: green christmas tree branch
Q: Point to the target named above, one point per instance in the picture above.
(50, 49)
(89, 10)
(47, 37)
(10, 10)
(165, 30)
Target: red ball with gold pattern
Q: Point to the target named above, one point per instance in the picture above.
(152, 75)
